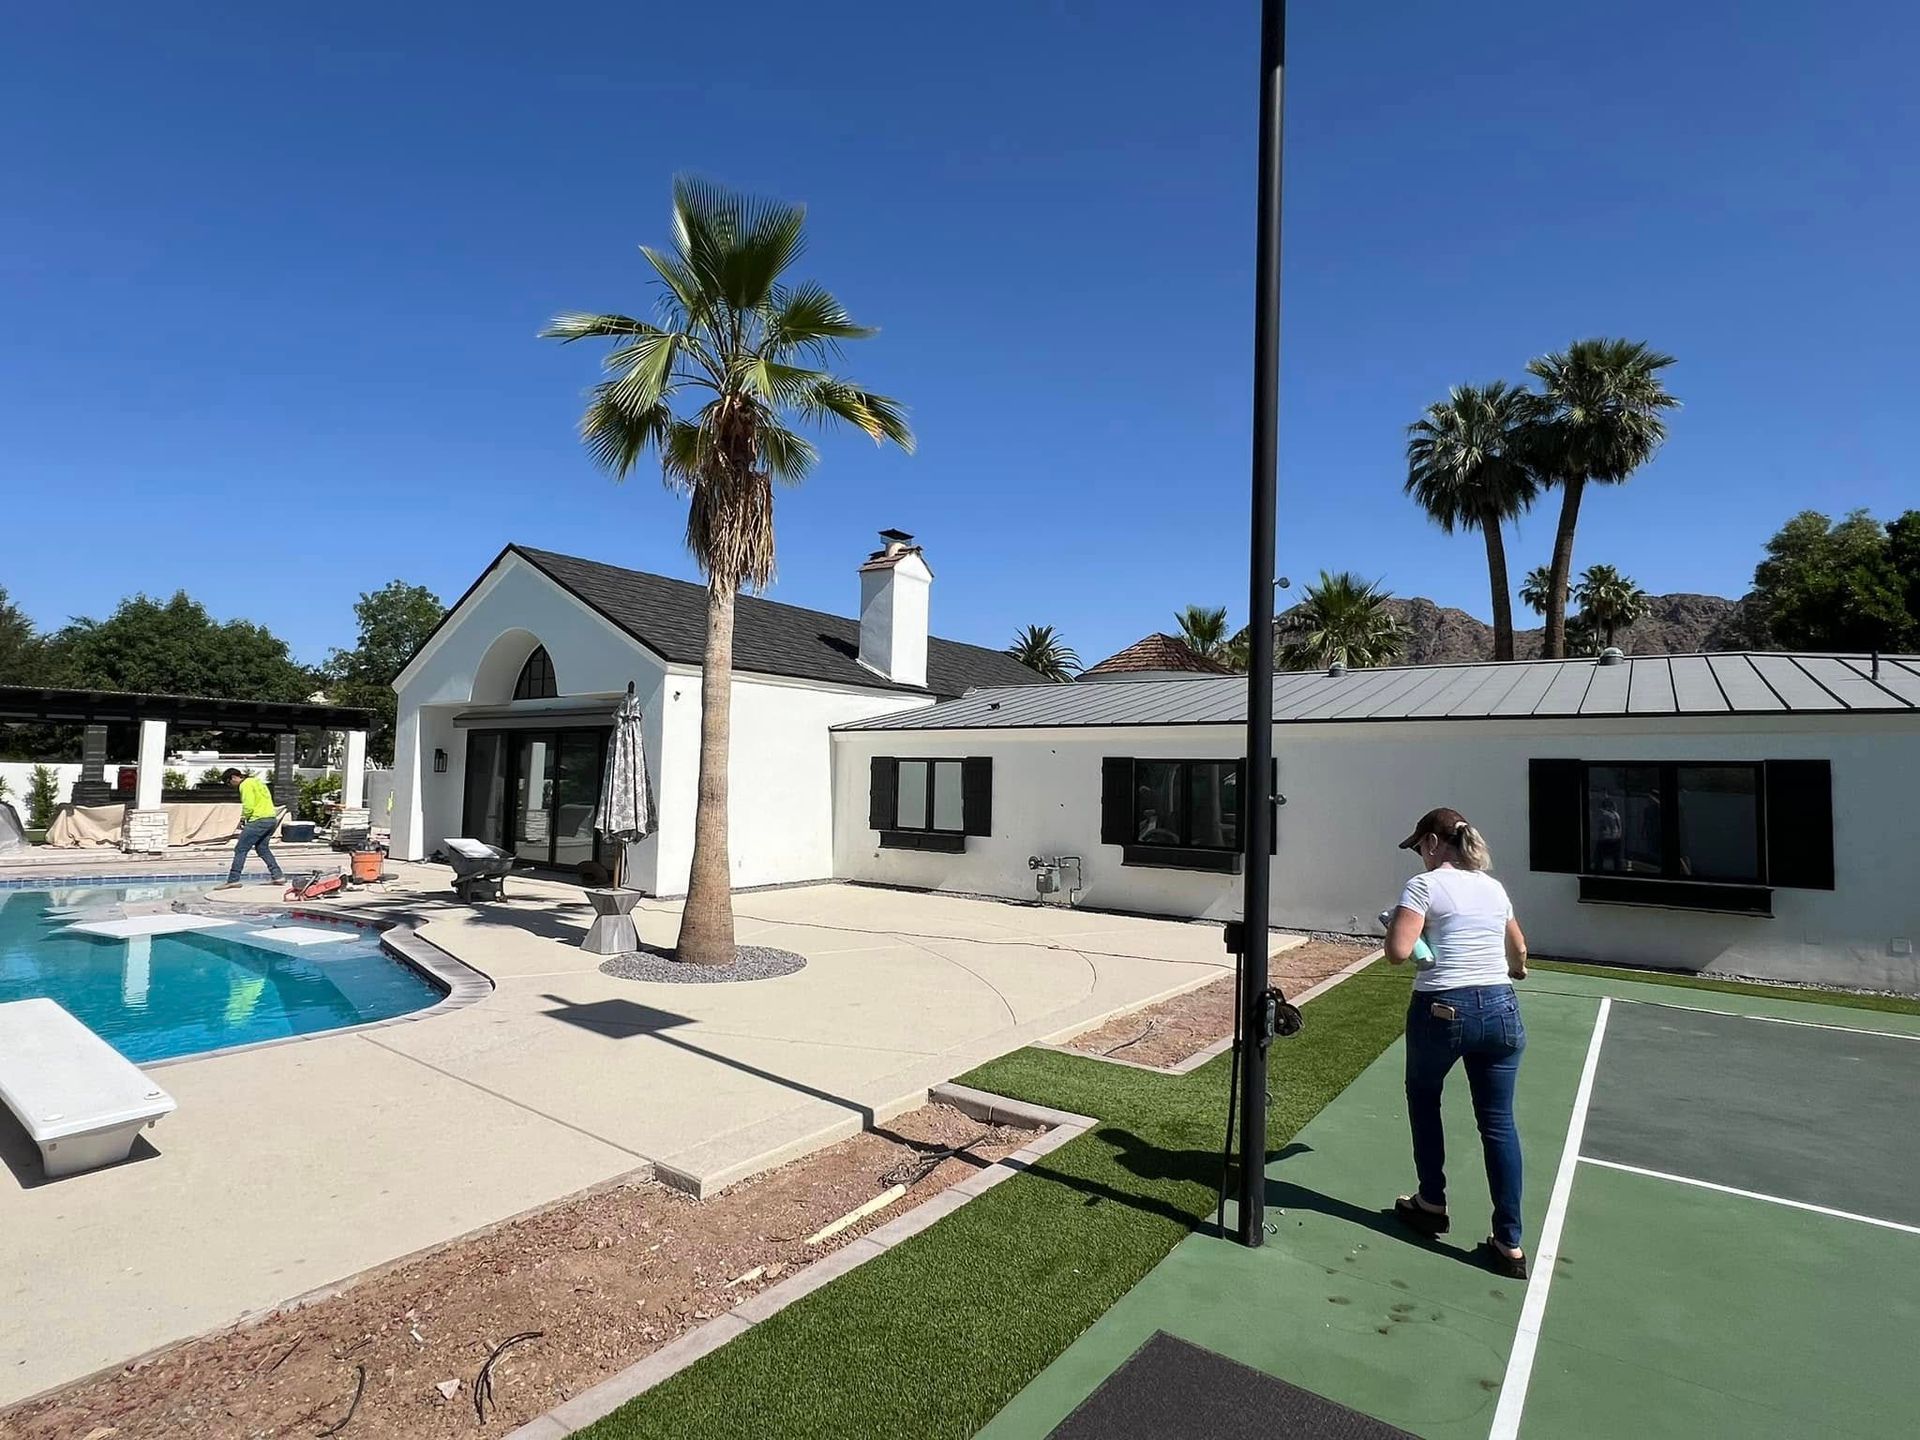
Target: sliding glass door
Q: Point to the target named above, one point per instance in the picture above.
(534, 792)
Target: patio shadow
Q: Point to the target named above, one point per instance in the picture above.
(22, 1157)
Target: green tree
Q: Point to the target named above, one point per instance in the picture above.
(175, 647)
(1835, 587)
(1203, 629)
(1609, 602)
(1535, 589)
(712, 385)
(394, 621)
(1903, 548)
(1343, 619)
(23, 651)
(1042, 651)
(1603, 403)
(43, 793)
(1468, 468)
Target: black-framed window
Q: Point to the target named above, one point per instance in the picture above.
(1705, 835)
(536, 680)
(1177, 814)
(930, 802)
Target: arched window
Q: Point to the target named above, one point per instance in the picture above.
(536, 677)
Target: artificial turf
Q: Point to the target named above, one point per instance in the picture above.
(932, 1338)
(1846, 999)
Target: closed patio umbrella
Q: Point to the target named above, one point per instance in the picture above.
(625, 813)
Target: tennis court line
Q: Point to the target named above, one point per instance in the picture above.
(1741, 1014)
(1526, 1340)
(1751, 1194)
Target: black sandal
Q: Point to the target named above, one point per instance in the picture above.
(1416, 1216)
(1514, 1267)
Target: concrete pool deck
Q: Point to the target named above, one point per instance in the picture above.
(294, 1167)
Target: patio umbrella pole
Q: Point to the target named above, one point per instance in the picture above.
(1257, 820)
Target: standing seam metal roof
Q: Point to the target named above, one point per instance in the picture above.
(1742, 683)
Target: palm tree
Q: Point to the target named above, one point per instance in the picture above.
(1344, 620)
(1203, 629)
(1603, 403)
(1609, 601)
(1042, 651)
(1467, 466)
(735, 354)
(1535, 589)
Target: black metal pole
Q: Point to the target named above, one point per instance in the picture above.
(1257, 821)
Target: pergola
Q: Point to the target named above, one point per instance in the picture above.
(97, 709)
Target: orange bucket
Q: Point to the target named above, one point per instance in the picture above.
(366, 864)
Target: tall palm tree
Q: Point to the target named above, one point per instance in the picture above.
(1535, 589)
(1203, 629)
(1467, 466)
(1603, 403)
(1343, 619)
(1609, 601)
(1042, 651)
(735, 354)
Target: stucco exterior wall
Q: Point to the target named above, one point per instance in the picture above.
(1354, 790)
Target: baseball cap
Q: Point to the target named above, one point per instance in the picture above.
(1444, 824)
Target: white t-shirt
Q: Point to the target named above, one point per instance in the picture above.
(1467, 913)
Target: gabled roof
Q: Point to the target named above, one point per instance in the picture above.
(1635, 686)
(1158, 652)
(669, 617)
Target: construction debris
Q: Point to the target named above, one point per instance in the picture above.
(854, 1217)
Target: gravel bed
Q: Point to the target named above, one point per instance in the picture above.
(754, 962)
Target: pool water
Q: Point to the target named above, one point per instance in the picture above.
(160, 996)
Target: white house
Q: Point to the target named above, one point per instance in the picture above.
(1753, 814)
(503, 713)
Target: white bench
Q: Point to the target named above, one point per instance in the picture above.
(78, 1098)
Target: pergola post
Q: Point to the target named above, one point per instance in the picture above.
(145, 831)
(92, 788)
(353, 814)
(286, 789)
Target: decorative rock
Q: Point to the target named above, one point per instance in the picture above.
(751, 962)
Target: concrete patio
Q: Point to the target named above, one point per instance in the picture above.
(297, 1166)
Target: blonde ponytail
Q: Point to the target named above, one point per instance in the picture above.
(1472, 846)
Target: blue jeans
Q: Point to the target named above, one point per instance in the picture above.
(1487, 1034)
(253, 836)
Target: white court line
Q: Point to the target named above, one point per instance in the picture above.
(1513, 1390)
(1752, 1195)
(1769, 1019)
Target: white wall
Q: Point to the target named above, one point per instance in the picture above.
(780, 776)
(1355, 790)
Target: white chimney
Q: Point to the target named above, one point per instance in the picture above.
(894, 583)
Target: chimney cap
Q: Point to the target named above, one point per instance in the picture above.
(896, 537)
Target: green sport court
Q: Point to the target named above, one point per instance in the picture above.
(1723, 1215)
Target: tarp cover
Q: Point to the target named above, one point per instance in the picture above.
(190, 822)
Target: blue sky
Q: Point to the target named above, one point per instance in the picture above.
(270, 279)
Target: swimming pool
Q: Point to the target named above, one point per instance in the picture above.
(252, 977)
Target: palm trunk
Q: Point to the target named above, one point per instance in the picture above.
(706, 924)
(1502, 595)
(1560, 574)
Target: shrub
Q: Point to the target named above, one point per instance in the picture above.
(211, 776)
(173, 780)
(43, 793)
(313, 792)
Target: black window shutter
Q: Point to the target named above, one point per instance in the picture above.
(1800, 824)
(976, 795)
(883, 793)
(1116, 801)
(1553, 815)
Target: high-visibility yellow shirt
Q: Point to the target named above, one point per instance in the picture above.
(256, 801)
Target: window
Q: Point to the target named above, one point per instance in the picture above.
(1715, 835)
(1178, 814)
(930, 803)
(536, 677)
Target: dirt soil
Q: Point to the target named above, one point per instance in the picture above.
(606, 1278)
(1167, 1033)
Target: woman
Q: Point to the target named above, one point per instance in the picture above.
(1463, 1009)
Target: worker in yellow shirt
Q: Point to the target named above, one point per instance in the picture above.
(259, 817)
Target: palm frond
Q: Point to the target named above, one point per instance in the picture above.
(1042, 651)
(810, 320)
(646, 372)
(878, 415)
(737, 246)
(1469, 458)
(790, 458)
(617, 436)
(1342, 619)
(581, 326)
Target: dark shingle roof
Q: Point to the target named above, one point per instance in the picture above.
(1637, 685)
(670, 618)
(1158, 652)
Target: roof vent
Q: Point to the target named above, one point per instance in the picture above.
(1613, 655)
(1338, 667)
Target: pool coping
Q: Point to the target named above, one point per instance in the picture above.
(603, 1398)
